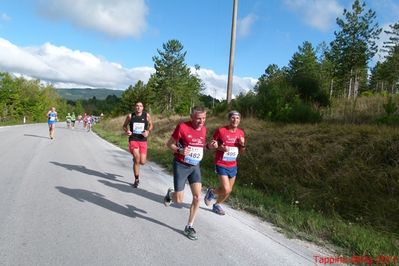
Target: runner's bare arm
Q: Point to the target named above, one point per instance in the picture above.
(126, 123)
(241, 142)
(150, 124)
(172, 145)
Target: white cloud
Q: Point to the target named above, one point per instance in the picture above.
(117, 18)
(244, 25)
(14, 59)
(66, 68)
(4, 17)
(60, 65)
(216, 85)
(320, 14)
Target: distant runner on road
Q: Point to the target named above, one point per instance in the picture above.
(73, 119)
(89, 122)
(68, 119)
(187, 143)
(138, 126)
(228, 141)
(51, 120)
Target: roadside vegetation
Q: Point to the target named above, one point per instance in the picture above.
(322, 161)
(328, 183)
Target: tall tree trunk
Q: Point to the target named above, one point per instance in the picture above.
(331, 88)
(350, 86)
(170, 102)
(356, 87)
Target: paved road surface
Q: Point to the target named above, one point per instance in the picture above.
(68, 201)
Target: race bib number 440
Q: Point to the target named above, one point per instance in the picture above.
(231, 154)
(195, 155)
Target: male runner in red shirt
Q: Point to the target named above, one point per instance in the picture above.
(187, 143)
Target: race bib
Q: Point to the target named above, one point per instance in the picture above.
(195, 155)
(138, 128)
(231, 154)
(52, 118)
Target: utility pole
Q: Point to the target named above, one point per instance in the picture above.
(232, 48)
(213, 98)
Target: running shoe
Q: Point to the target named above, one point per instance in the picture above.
(209, 196)
(190, 233)
(136, 183)
(218, 209)
(167, 200)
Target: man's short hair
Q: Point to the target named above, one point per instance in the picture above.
(234, 112)
(197, 109)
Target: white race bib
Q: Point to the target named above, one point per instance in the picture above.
(195, 155)
(231, 154)
(138, 128)
(52, 118)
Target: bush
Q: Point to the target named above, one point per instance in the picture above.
(304, 113)
(390, 107)
(295, 111)
(389, 120)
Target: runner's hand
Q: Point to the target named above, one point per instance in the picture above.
(129, 132)
(241, 141)
(185, 151)
(222, 148)
(145, 133)
(213, 144)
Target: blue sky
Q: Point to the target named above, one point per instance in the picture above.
(110, 43)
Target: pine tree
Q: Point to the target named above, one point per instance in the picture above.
(173, 86)
(304, 74)
(354, 46)
(392, 59)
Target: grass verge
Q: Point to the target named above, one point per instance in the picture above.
(309, 180)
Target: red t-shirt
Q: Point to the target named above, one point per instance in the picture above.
(231, 140)
(186, 136)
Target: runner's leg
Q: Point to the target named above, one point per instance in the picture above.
(196, 191)
(143, 152)
(136, 161)
(225, 188)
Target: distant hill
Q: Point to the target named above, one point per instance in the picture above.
(85, 94)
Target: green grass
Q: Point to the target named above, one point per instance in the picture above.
(336, 185)
(10, 123)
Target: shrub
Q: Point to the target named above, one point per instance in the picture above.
(390, 107)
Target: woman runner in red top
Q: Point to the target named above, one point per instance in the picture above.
(228, 141)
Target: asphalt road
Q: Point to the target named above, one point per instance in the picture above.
(68, 201)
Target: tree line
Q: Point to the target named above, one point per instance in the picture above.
(314, 76)
(21, 98)
(293, 93)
